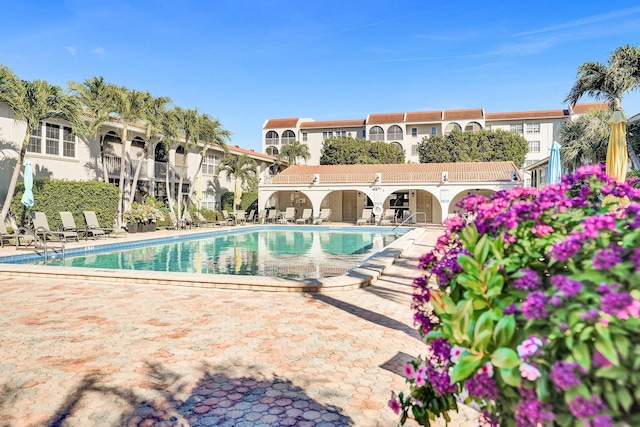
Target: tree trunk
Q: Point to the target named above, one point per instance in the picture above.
(169, 190)
(134, 184)
(14, 177)
(123, 164)
(105, 173)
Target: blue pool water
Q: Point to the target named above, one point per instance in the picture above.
(277, 252)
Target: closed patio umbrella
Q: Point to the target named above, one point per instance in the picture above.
(27, 197)
(237, 193)
(554, 168)
(617, 154)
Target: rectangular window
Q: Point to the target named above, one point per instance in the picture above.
(210, 164)
(35, 141)
(341, 133)
(516, 127)
(69, 142)
(530, 162)
(534, 146)
(53, 139)
(304, 137)
(364, 133)
(434, 130)
(326, 135)
(414, 150)
(487, 127)
(209, 200)
(414, 132)
(533, 127)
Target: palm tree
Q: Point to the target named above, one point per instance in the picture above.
(129, 106)
(96, 97)
(241, 168)
(610, 82)
(585, 139)
(293, 151)
(33, 102)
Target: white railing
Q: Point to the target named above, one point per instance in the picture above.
(393, 177)
(160, 170)
(113, 165)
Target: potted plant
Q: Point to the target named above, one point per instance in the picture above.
(531, 307)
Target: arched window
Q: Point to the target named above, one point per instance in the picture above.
(473, 127)
(160, 153)
(397, 146)
(376, 134)
(394, 133)
(288, 137)
(137, 142)
(451, 127)
(272, 138)
(273, 151)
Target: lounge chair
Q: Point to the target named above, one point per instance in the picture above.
(93, 226)
(226, 219)
(69, 224)
(262, 217)
(5, 236)
(367, 215)
(175, 222)
(389, 217)
(201, 221)
(42, 229)
(241, 217)
(325, 216)
(289, 216)
(252, 216)
(188, 221)
(273, 215)
(306, 217)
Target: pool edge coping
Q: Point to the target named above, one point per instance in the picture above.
(360, 276)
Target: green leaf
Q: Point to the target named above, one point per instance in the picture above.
(467, 364)
(625, 399)
(622, 345)
(606, 347)
(504, 330)
(469, 236)
(581, 353)
(470, 282)
(511, 376)
(612, 372)
(494, 286)
(468, 264)
(481, 251)
(505, 358)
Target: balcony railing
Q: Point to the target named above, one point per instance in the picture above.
(160, 170)
(394, 177)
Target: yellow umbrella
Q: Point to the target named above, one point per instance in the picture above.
(238, 192)
(617, 154)
(198, 190)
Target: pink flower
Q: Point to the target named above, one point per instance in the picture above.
(421, 376)
(456, 351)
(487, 369)
(541, 229)
(394, 404)
(409, 371)
(529, 372)
(529, 347)
(632, 310)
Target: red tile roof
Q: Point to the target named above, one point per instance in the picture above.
(399, 173)
(379, 119)
(281, 123)
(333, 124)
(583, 108)
(526, 115)
(250, 153)
(424, 116)
(476, 113)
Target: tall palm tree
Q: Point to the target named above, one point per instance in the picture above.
(96, 97)
(154, 115)
(241, 168)
(129, 107)
(33, 102)
(294, 151)
(584, 140)
(610, 81)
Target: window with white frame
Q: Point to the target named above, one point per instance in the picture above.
(304, 137)
(376, 134)
(341, 133)
(272, 138)
(52, 141)
(209, 200)
(364, 133)
(414, 132)
(533, 127)
(327, 134)
(210, 164)
(516, 127)
(434, 130)
(414, 150)
(487, 127)
(68, 142)
(394, 133)
(35, 140)
(530, 162)
(534, 146)
(59, 140)
(288, 137)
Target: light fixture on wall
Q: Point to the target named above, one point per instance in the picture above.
(359, 194)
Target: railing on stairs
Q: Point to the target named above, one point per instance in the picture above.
(416, 214)
(41, 237)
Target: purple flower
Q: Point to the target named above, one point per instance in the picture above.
(635, 258)
(591, 315)
(440, 381)
(482, 386)
(530, 412)
(527, 280)
(394, 404)
(440, 349)
(533, 307)
(563, 374)
(581, 407)
(614, 302)
(510, 309)
(606, 258)
(565, 249)
(529, 347)
(568, 287)
(541, 229)
(599, 361)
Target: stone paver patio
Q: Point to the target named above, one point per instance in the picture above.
(77, 353)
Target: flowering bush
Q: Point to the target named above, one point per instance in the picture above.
(534, 312)
(143, 213)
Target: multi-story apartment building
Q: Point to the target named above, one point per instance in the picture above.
(56, 151)
(408, 130)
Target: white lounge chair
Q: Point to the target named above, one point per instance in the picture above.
(69, 224)
(325, 216)
(42, 229)
(367, 215)
(91, 220)
(289, 216)
(307, 216)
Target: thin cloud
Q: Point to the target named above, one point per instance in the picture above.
(613, 15)
(71, 49)
(98, 51)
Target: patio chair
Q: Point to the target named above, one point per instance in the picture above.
(306, 217)
(188, 221)
(273, 215)
(91, 219)
(201, 221)
(366, 217)
(252, 216)
(226, 219)
(389, 217)
(325, 216)
(42, 229)
(175, 222)
(289, 215)
(69, 224)
(241, 217)
(262, 217)
(5, 236)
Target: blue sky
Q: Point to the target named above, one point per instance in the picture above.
(245, 61)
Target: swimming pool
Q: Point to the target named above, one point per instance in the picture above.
(284, 252)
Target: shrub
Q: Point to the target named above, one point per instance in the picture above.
(535, 309)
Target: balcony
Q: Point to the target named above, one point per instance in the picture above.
(113, 165)
(160, 170)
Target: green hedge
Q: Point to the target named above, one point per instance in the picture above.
(248, 199)
(52, 196)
